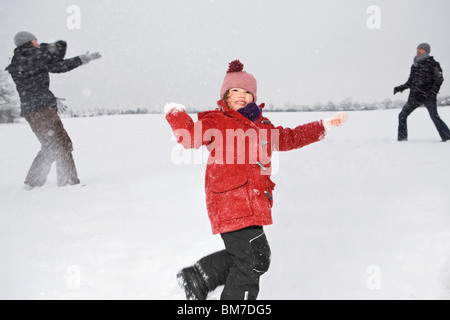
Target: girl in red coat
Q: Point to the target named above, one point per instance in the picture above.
(238, 186)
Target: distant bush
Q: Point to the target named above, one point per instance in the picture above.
(9, 105)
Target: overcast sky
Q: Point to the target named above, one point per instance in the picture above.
(301, 52)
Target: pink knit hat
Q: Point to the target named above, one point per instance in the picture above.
(237, 78)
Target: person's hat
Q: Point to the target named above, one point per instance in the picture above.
(23, 37)
(425, 46)
(236, 77)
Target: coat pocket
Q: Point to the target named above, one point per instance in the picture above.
(229, 197)
(224, 184)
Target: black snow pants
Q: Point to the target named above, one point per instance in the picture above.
(240, 266)
(431, 106)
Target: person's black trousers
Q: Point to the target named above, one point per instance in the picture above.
(240, 266)
(431, 106)
(56, 146)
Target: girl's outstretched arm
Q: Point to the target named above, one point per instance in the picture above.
(291, 139)
(190, 134)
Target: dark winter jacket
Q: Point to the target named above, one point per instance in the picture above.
(30, 68)
(425, 80)
(237, 182)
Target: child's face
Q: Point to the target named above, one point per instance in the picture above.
(238, 98)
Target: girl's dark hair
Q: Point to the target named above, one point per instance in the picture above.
(226, 95)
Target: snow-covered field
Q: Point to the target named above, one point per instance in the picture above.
(357, 216)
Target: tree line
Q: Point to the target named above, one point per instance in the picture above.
(10, 105)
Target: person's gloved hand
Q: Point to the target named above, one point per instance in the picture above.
(335, 121)
(62, 108)
(170, 106)
(88, 57)
(399, 89)
(57, 50)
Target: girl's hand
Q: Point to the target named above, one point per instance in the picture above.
(170, 106)
(335, 121)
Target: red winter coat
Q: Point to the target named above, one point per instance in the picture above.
(237, 182)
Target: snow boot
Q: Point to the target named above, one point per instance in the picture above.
(28, 187)
(193, 283)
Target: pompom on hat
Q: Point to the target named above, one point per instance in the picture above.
(236, 77)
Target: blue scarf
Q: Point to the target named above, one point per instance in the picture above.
(251, 111)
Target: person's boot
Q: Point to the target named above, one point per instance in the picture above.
(193, 283)
(28, 187)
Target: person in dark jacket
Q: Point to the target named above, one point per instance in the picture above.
(30, 68)
(424, 83)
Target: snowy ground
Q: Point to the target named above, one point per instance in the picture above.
(357, 216)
